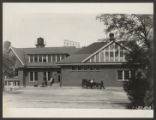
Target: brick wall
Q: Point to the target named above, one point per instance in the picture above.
(74, 77)
(40, 75)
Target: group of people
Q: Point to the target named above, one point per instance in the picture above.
(91, 84)
(98, 85)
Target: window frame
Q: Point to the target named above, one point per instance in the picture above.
(33, 76)
(123, 75)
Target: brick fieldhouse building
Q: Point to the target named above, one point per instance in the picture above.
(34, 65)
(69, 65)
(99, 61)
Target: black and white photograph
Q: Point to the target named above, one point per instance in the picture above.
(78, 60)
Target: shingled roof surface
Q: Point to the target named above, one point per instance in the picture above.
(21, 52)
(83, 53)
(49, 50)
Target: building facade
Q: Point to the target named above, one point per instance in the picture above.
(36, 65)
(101, 61)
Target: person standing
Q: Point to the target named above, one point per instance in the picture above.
(51, 81)
(102, 85)
(91, 82)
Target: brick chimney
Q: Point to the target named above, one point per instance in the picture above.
(40, 43)
(111, 37)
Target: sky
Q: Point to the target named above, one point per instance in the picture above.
(23, 23)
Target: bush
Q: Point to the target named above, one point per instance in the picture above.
(136, 89)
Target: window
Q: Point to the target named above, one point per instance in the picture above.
(44, 76)
(120, 75)
(54, 58)
(73, 67)
(63, 56)
(36, 76)
(49, 75)
(92, 59)
(106, 56)
(31, 76)
(92, 67)
(79, 67)
(58, 58)
(111, 54)
(97, 57)
(123, 75)
(101, 56)
(31, 58)
(49, 58)
(44, 58)
(97, 67)
(35, 58)
(40, 58)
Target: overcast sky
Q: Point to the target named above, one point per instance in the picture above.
(23, 23)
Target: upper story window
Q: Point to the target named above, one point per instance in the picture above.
(31, 58)
(112, 53)
(46, 58)
(35, 58)
(40, 58)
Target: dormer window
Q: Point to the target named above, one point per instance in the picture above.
(45, 58)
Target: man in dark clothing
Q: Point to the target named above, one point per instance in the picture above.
(102, 85)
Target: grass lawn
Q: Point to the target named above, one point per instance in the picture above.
(66, 97)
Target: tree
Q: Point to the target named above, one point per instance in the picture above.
(138, 31)
(8, 62)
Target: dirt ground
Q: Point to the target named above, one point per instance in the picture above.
(66, 97)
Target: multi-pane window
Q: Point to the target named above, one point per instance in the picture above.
(46, 76)
(112, 53)
(45, 58)
(123, 75)
(120, 75)
(126, 74)
(33, 76)
(85, 67)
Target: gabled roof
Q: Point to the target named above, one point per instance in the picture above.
(84, 53)
(49, 50)
(21, 52)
